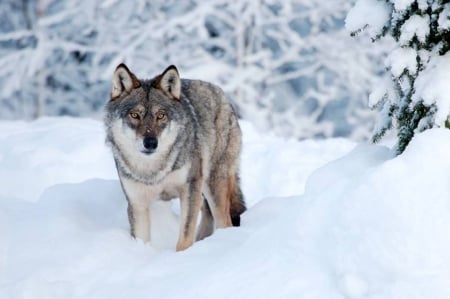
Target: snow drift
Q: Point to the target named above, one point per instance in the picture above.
(367, 225)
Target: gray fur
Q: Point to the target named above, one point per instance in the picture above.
(199, 143)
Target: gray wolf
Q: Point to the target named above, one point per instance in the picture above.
(175, 138)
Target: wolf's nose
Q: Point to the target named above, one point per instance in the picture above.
(150, 143)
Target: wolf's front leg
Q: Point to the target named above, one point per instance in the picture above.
(190, 204)
(139, 219)
(138, 208)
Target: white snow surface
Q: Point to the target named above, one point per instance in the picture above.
(326, 220)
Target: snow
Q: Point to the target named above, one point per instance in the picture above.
(432, 87)
(379, 92)
(326, 220)
(372, 14)
(444, 18)
(402, 4)
(418, 26)
(46, 152)
(401, 59)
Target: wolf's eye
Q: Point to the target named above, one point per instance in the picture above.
(161, 116)
(134, 115)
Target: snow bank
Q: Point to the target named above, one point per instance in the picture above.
(383, 225)
(37, 155)
(367, 226)
(273, 166)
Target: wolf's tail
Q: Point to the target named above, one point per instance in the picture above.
(237, 204)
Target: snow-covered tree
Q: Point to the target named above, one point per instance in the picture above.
(293, 67)
(288, 66)
(416, 97)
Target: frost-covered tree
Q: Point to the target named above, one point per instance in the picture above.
(416, 97)
(288, 66)
(293, 67)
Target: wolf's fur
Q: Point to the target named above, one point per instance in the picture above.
(171, 138)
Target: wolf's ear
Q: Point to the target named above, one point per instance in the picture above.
(170, 83)
(123, 81)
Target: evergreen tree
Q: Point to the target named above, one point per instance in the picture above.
(421, 30)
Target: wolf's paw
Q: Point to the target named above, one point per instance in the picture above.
(183, 245)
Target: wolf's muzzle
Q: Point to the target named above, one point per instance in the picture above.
(150, 143)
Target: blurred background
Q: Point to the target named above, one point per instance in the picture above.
(289, 66)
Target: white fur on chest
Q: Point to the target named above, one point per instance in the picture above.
(171, 186)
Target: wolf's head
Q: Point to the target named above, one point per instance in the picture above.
(144, 116)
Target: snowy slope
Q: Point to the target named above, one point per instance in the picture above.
(365, 225)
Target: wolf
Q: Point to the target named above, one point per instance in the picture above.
(175, 138)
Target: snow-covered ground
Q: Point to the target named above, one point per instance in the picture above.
(327, 219)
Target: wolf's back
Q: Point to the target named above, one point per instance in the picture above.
(221, 132)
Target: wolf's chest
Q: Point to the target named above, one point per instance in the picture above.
(168, 188)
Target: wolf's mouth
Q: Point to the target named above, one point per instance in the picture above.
(147, 151)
